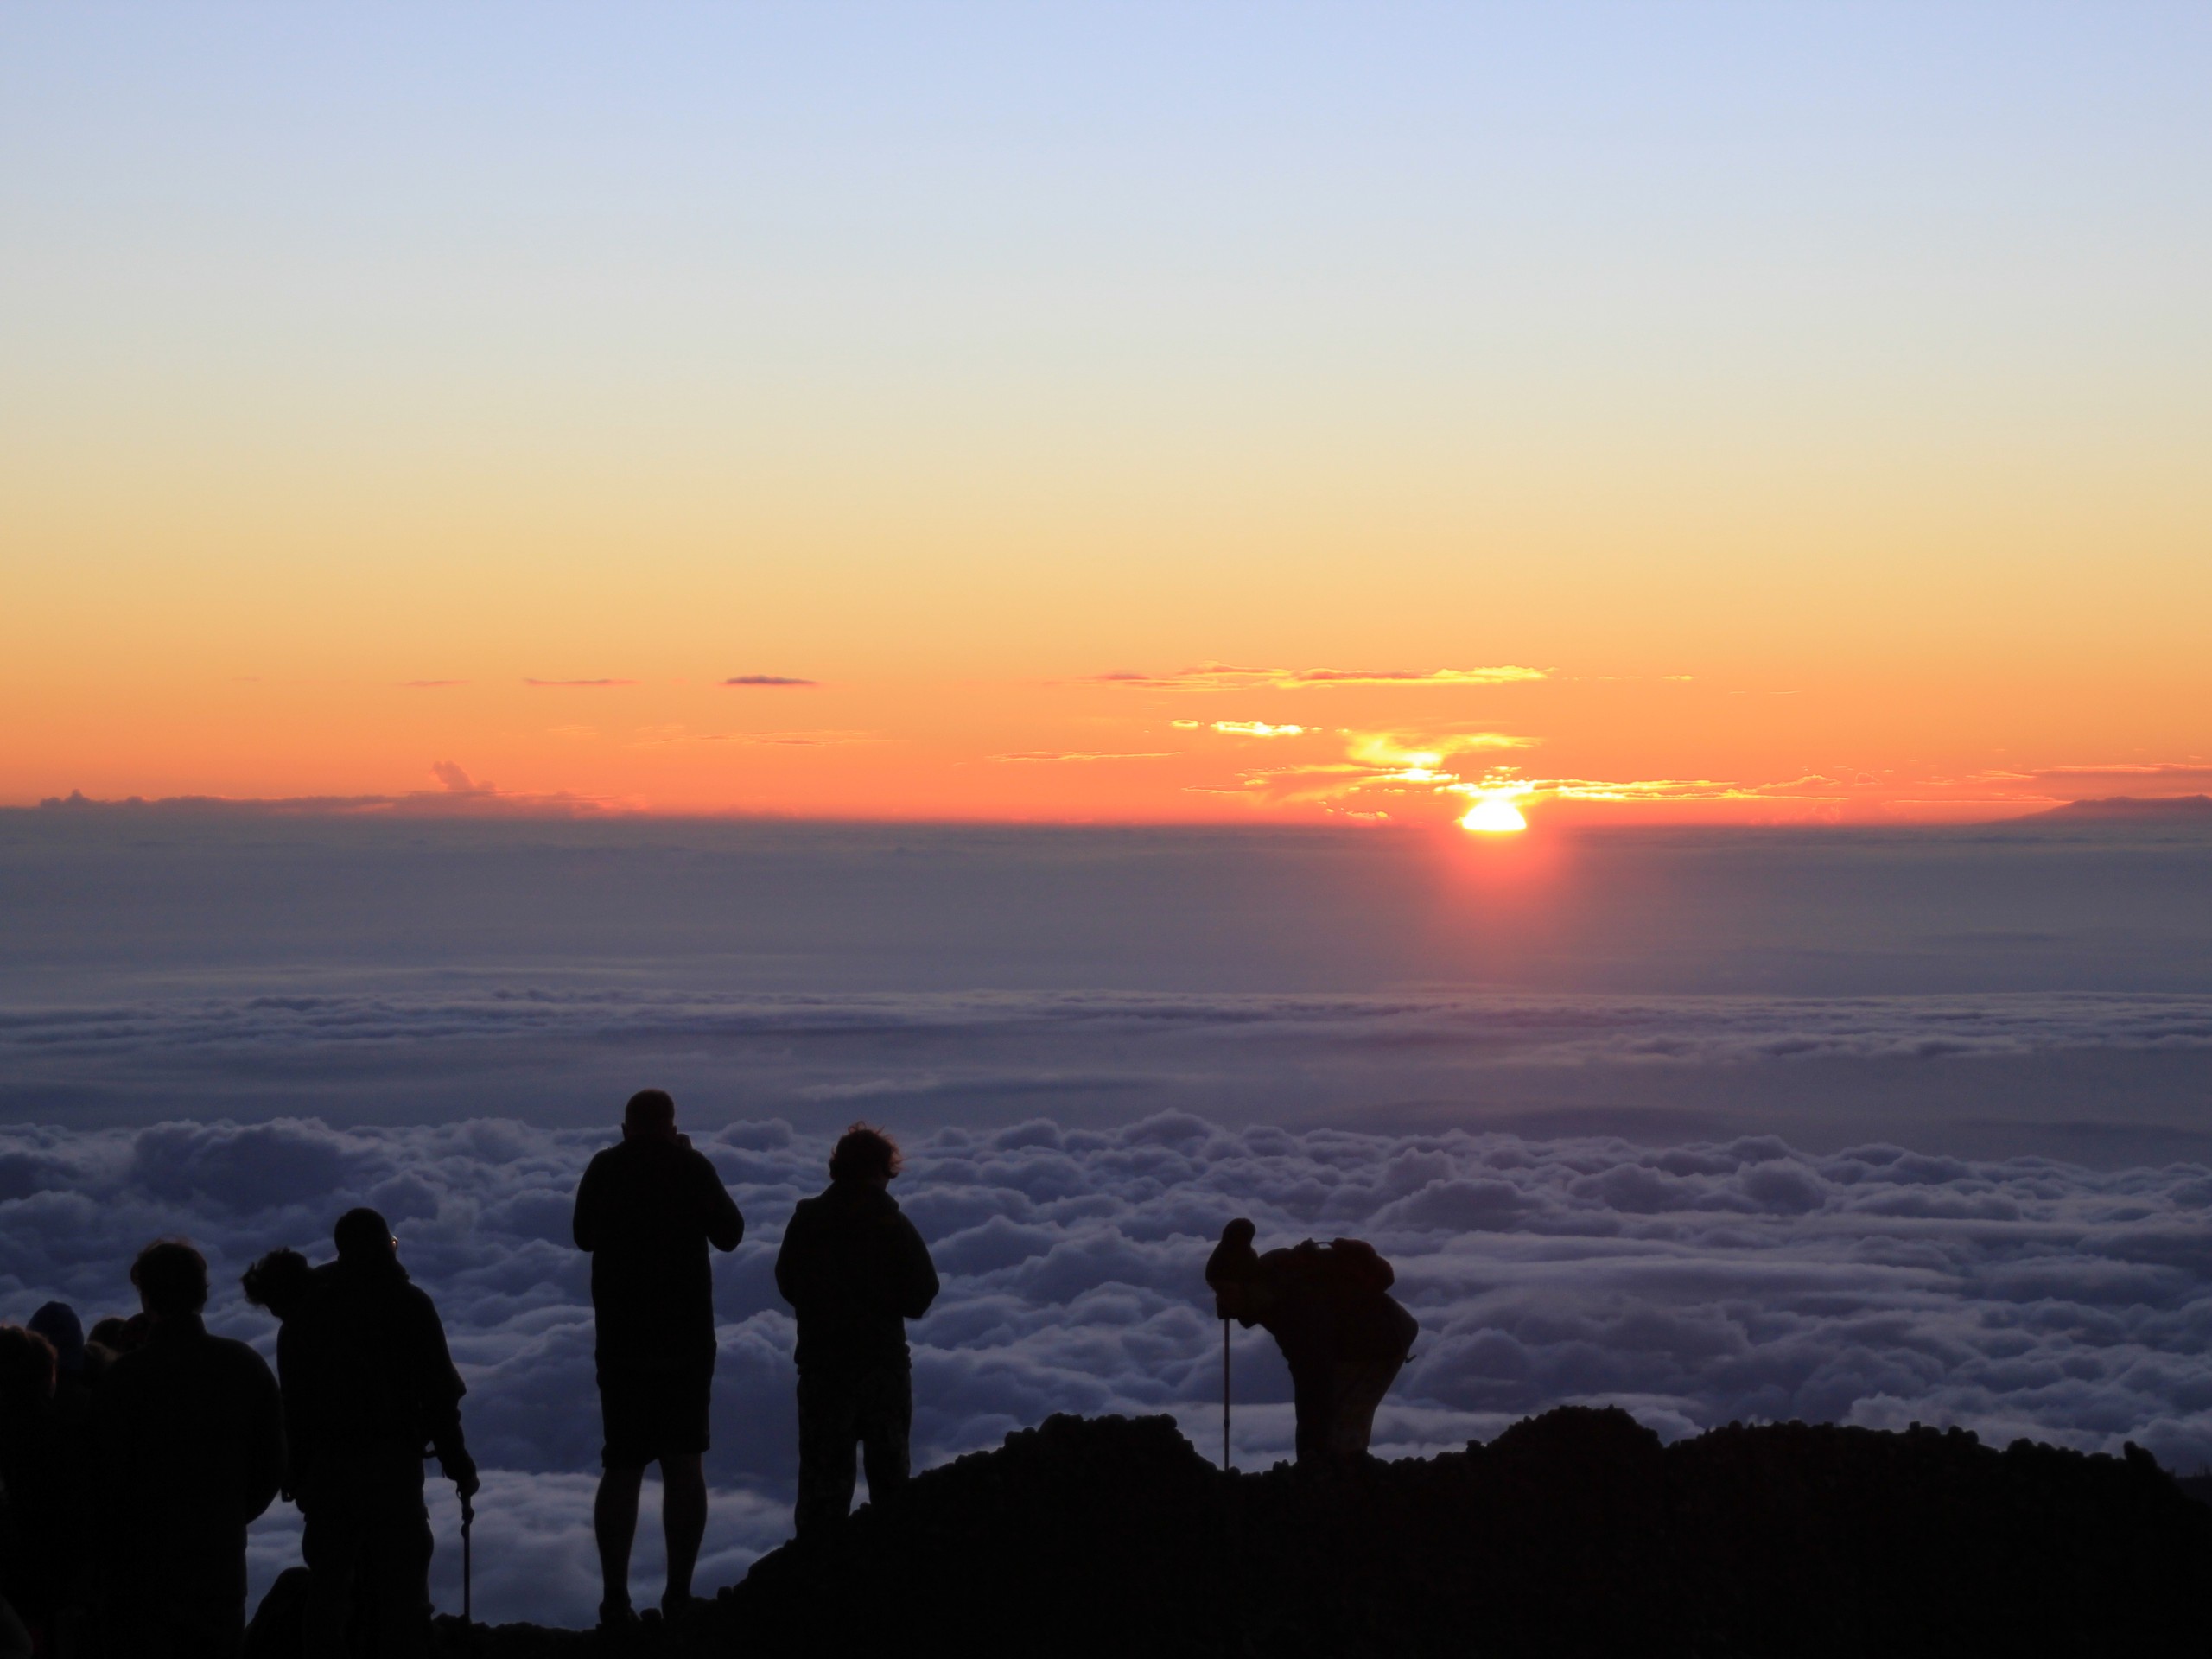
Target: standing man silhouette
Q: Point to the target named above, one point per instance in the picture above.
(647, 1209)
(856, 1271)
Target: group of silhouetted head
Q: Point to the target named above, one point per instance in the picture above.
(55, 1397)
(347, 1318)
(170, 1277)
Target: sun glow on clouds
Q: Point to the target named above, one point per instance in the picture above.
(1241, 727)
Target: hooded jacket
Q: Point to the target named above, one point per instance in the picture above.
(855, 1270)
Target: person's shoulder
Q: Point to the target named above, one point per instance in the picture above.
(606, 1158)
(242, 1357)
(698, 1162)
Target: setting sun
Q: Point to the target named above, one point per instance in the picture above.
(1494, 814)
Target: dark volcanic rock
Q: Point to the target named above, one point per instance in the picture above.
(1573, 1534)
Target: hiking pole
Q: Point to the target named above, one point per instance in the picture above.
(468, 1564)
(1224, 1396)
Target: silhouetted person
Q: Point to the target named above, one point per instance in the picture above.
(115, 1336)
(646, 1210)
(46, 1476)
(856, 1271)
(189, 1437)
(39, 1566)
(281, 1282)
(59, 1324)
(370, 1391)
(1328, 1307)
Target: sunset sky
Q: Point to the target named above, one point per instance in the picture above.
(1108, 413)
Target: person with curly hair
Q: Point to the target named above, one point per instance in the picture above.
(855, 1270)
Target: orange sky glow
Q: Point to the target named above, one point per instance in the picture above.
(1344, 431)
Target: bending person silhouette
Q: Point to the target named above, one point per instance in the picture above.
(1328, 1307)
(189, 1439)
(646, 1210)
(856, 1271)
(368, 1386)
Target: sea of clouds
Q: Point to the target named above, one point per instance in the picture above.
(1545, 1028)
(1692, 1284)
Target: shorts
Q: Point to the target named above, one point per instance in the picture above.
(647, 1415)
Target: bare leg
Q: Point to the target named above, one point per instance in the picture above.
(683, 1518)
(614, 1522)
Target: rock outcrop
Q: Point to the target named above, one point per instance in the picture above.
(1576, 1533)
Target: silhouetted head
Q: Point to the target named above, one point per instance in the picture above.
(26, 1371)
(281, 1282)
(1239, 1232)
(111, 1335)
(865, 1154)
(172, 1279)
(651, 1112)
(58, 1323)
(362, 1235)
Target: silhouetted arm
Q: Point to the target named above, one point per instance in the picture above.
(438, 1389)
(915, 1278)
(291, 1374)
(264, 1470)
(722, 1223)
(799, 1259)
(589, 1223)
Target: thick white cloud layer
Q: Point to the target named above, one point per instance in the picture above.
(1694, 1285)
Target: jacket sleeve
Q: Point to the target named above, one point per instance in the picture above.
(916, 1275)
(795, 1258)
(588, 1222)
(438, 1384)
(264, 1472)
(292, 1388)
(724, 1226)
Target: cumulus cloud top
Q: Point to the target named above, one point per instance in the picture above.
(1692, 1284)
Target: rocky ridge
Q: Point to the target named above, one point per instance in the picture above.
(1576, 1533)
